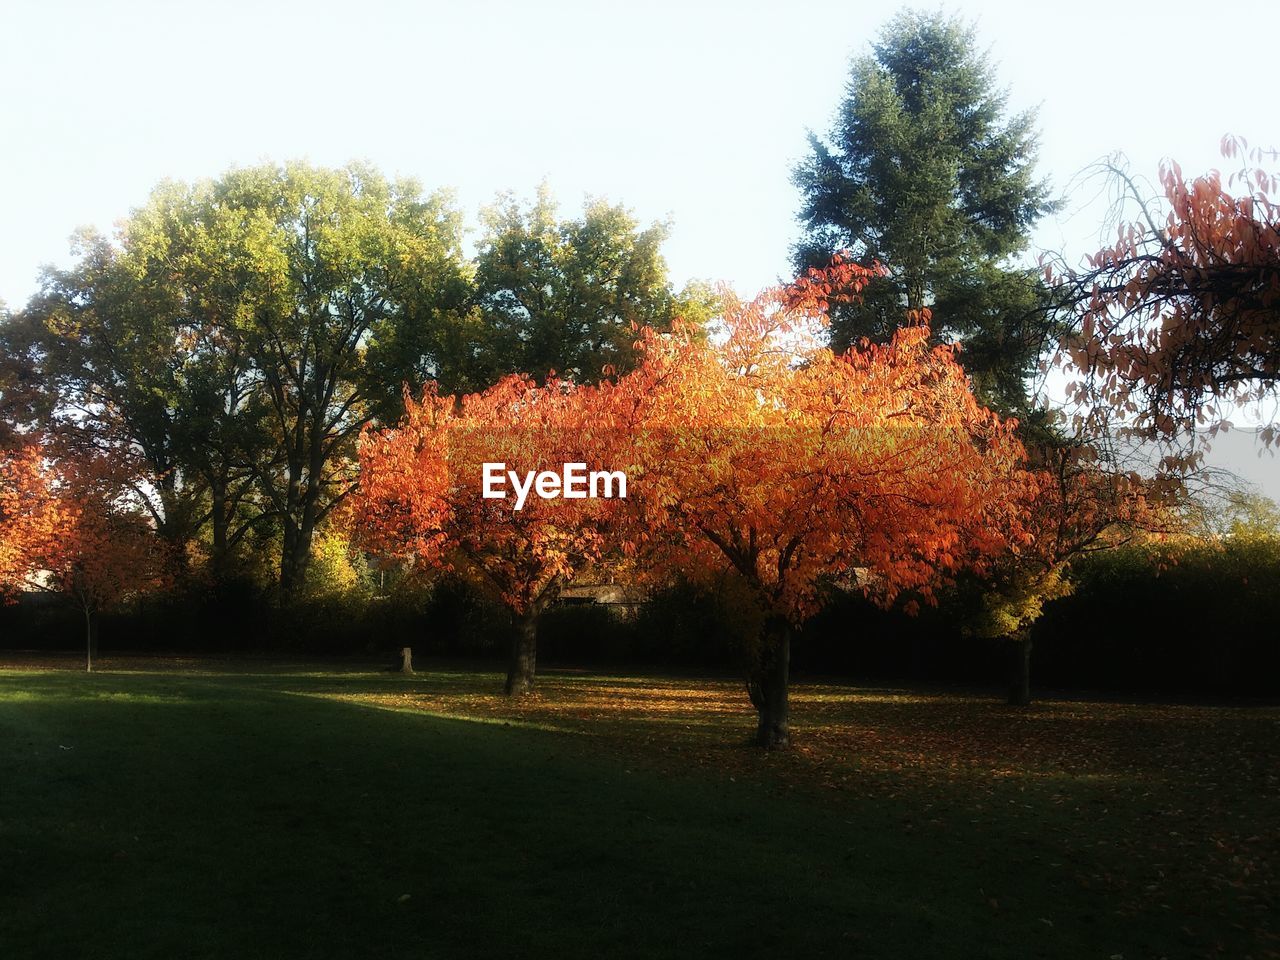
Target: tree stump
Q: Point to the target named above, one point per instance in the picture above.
(406, 660)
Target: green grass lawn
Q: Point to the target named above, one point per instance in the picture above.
(185, 813)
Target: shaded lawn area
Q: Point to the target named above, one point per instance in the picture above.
(294, 813)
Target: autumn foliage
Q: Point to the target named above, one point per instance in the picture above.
(758, 460)
(33, 518)
(63, 530)
(421, 494)
(769, 463)
(1181, 319)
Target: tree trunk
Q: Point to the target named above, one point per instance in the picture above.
(1020, 672)
(175, 531)
(90, 638)
(219, 523)
(176, 543)
(406, 660)
(767, 685)
(305, 513)
(524, 651)
(294, 556)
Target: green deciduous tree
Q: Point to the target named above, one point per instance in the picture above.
(565, 295)
(347, 280)
(236, 335)
(923, 171)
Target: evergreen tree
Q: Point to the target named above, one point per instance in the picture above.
(923, 172)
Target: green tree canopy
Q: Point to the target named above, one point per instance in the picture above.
(99, 352)
(346, 282)
(237, 334)
(923, 172)
(562, 295)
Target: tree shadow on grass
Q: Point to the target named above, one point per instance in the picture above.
(249, 824)
(1056, 811)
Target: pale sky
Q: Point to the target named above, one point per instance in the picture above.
(692, 111)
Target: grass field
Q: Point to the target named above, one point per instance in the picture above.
(179, 810)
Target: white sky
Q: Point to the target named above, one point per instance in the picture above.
(694, 110)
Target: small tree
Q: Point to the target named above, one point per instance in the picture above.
(1078, 503)
(62, 531)
(779, 466)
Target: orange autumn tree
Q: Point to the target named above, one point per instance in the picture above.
(1179, 320)
(32, 517)
(422, 486)
(64, 530)
(773, 467)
